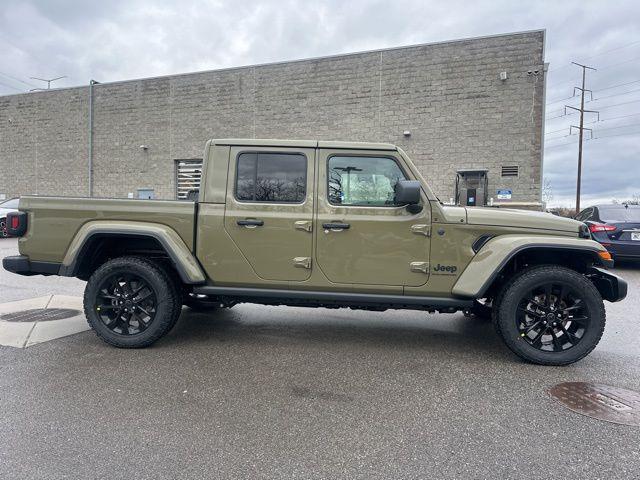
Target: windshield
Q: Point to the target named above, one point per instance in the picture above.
(13, 203)
(620, 214)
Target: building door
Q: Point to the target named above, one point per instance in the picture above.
(362, 237)
(269, 209)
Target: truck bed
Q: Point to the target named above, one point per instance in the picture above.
(54, 221)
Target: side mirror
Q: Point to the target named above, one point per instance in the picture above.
(407, 192)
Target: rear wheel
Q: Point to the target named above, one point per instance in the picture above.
(130, 302)
(550, 315)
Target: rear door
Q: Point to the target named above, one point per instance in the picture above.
(269, 209)
(362, 237)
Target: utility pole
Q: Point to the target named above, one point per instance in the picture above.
(48, 80)
(581, 128)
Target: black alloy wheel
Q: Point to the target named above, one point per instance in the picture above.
(126, 304)
(131, 302)
(550, 315)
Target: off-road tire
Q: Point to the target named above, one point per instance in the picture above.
(506, 304)
(167, 307)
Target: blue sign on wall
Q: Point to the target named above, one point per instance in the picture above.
(504, 194)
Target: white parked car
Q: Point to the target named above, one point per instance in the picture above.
(5, 208)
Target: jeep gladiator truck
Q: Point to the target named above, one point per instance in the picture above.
(321, 224)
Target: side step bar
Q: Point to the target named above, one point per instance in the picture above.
(277, 296)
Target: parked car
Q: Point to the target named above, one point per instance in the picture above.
(616, 227)
(321, 224)
(6, 207)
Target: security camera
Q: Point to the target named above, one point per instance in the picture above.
(143, 147)
(536, 72)
(529, 72)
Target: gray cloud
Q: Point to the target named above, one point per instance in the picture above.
(120, 39)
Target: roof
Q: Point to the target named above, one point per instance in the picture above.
(615, 205)
(252, 142)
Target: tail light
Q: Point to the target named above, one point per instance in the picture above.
(601, 227)
(16, 224)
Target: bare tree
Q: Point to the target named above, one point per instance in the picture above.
(547, 191)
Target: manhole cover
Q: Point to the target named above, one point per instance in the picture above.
(611, 404)
(40, 315)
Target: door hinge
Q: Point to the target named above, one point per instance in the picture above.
(302, 262)
(305, 225)
(420, 267)
(421, 229)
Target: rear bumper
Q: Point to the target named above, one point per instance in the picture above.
(21, 265)
(612, 287)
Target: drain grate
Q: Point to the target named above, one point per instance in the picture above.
(611, 404)
(40, 315)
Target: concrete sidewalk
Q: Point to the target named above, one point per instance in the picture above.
(22, 334)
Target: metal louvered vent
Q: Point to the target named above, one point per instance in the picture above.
(510, 171)
(188, 174)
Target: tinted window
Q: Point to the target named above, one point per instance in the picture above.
(363, 180)
(13, 203)
(615, 214)
(584, 215)
(271, 177)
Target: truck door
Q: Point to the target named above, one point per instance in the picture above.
(269, 209)
(362, 237)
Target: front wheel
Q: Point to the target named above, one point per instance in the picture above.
(550, 315)
(131, 302)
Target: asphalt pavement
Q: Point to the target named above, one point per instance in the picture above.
(277, 392)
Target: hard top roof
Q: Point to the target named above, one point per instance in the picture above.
(252, 142)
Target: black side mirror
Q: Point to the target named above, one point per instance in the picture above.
(407, 192)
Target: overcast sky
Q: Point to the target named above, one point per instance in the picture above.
(123, 39)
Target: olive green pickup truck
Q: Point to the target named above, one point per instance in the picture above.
(321, 224)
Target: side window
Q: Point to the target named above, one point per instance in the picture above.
(271, 177)
(584, 215)
(362, 181)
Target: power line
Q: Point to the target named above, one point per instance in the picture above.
(17, 79)
(619, 63)
(614, 95)
(620, 116)
(618, 104)
(617, 127)
(593, 139)
(618, 85)
(11, 86)
(616, 135)
(627, 45)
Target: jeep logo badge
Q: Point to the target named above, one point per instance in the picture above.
(445, 269)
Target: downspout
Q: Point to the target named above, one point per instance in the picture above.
(91, 84)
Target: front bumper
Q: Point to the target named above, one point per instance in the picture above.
(612, 287)
(21, 265)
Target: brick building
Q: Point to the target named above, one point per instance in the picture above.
(444, 103)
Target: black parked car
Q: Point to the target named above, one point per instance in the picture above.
(616, 227)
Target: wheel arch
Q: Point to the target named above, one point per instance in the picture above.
(96, 242)
(501, 257)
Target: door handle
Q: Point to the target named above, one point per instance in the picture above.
(336, 226)
(250, 223)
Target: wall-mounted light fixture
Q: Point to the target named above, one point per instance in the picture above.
(503, 76)
(406, 133)
(144, 147)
